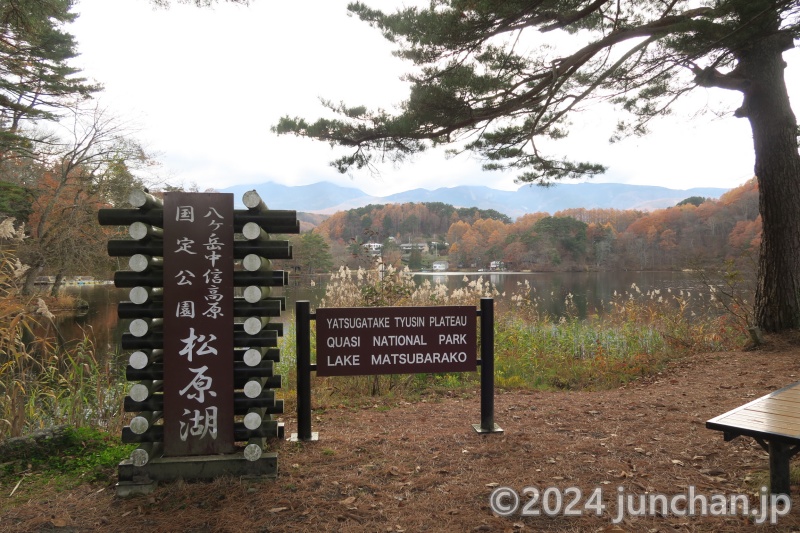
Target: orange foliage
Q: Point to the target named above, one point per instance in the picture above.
(676, 236)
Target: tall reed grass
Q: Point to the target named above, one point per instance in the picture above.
(41, 384)
(633, 335)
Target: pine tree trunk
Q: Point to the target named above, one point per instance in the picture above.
(777, 167)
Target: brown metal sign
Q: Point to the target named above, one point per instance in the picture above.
(360, 341)
(198, 324)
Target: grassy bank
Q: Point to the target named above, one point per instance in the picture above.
(634, 335)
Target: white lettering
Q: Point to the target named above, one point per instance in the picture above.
(409, 321)
(418, 358)
(399, 340)
(358, 322)
(459, 338)
(345, 360)
(343, 342)
(447, 321)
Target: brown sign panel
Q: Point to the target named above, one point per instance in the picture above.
(359, 341)
(198, 324)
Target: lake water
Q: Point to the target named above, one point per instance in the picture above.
(589, 291)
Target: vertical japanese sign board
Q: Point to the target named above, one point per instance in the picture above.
(198, 324)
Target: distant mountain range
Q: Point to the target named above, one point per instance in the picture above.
(328, 198)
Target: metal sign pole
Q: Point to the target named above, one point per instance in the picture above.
(303, 352)
(487, 424)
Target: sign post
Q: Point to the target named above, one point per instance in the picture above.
(203, 364)
(363, 341)
(395, 340)
(487, 424)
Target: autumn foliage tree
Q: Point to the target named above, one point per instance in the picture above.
(401, 221)
(91, 167)
(687, 235)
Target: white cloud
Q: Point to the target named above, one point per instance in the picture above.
(206, 85)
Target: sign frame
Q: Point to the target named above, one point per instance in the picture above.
(361, 341)
(303, 318)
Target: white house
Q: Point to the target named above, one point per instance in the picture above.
(374, 248)
(440, 266)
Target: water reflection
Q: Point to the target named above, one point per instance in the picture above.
(438, 278)
(99, 320)
(588, 291)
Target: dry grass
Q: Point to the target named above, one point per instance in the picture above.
(394, 465)
(42, 385)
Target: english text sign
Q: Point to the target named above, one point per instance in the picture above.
(360, 341)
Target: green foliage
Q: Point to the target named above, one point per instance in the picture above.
(312, 253)
(15, 201)
(42, 385)
(415, 259)
(470, 82)
(565, 232)
(692, 200)
(68, 456)
(472, 214)
(37, 78)
(572, 354)
(77, 388)
(70, 449)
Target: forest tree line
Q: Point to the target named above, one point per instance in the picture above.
(60, 212)
(695, 233)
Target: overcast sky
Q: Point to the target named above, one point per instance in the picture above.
(204, 87)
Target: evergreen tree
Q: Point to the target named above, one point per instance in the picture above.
(475, 83)
(313, 253)
(693, 200)
(36, 79)
(15, 201)
(415, 259)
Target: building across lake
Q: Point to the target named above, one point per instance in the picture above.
(440, 266)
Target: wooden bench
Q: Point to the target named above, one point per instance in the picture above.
(774, 422)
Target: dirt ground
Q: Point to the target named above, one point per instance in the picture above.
(421, 467)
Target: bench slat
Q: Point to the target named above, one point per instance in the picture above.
(786, 401)
(766, 408)
(786, 425)
(790, 395)
(775, 419)
(774, 406)
(751, 427)
(794, 386)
